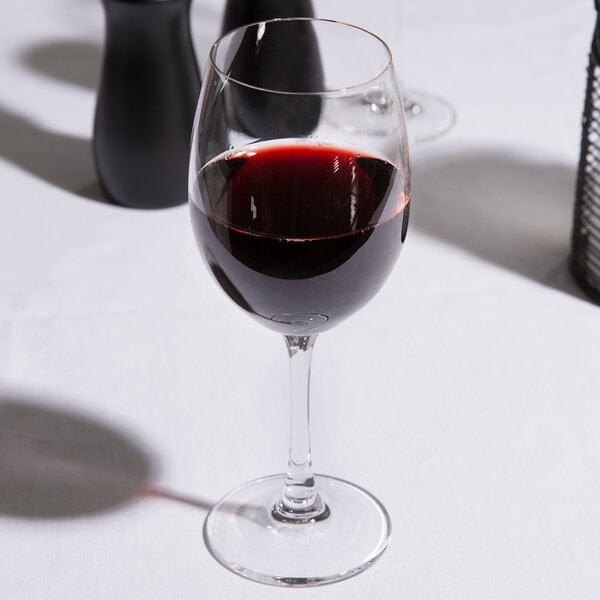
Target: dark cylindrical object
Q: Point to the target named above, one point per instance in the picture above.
(279, 61)
(585, 243)
(146, 101)
(244, 12)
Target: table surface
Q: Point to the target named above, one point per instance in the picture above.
(465, 396)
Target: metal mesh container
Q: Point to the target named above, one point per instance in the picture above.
(585, 243)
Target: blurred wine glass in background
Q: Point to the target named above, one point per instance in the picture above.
(428, 115)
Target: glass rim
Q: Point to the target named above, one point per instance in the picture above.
(356, 86)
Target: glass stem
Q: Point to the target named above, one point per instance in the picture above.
(300, 501)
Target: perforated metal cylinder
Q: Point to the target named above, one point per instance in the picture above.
(585, 243)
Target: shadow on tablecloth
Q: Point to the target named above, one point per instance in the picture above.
(56, 463)
(73, 61)
(62, 159)
(507, 209)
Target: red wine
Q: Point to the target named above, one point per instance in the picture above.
(300, 234)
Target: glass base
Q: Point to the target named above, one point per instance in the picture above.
(241, 533)
(427, 116)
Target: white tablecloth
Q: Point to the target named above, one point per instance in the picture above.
(465, 396)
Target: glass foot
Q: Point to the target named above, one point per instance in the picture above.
(242, 534)
(427, 116)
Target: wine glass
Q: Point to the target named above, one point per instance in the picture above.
(300, 218)
(428, 115)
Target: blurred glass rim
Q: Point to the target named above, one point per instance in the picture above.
(339, 90)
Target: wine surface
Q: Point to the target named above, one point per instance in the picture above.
(299, 234)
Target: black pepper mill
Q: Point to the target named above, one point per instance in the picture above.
(244, 12)
(146, 101)
(291, 114)
(585, 243)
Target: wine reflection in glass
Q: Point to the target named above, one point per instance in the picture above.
(299, 204)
